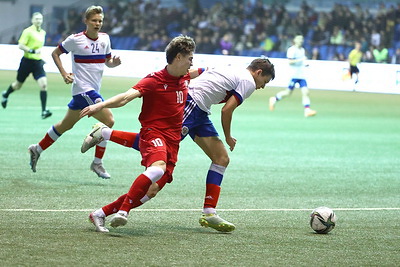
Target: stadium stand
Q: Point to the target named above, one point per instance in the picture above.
(250, 28)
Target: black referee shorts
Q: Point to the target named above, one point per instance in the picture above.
(28, 66)
(354, 69)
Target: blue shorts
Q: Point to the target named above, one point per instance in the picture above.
(86, 99)
(196, 122)
(302, 83)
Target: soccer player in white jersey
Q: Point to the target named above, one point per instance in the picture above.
(297, 57)
(230, 86)
(90, 51)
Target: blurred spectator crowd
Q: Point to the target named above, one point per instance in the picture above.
(249, 28)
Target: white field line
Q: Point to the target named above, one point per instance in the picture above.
(65, 107)
(190, 210)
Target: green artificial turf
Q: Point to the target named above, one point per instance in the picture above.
(284, 165)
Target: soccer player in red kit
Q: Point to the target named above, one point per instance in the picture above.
(160, 133)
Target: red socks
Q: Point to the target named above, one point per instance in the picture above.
(99, 152)
(114, 206)
(46, 142)
(51, 136)
(137, 191)
(212, 195)
(123, 138)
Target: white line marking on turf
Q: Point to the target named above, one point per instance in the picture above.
(38, 108)
(175, 210)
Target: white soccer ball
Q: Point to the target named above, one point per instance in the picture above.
(323, 220)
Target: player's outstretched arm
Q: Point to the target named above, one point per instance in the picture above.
(194, 73)
(113, 102)
(226, 120)
(68, 77)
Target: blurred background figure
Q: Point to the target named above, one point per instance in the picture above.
(354, 58)
(297, 56)
(31, 42)
(381, 54)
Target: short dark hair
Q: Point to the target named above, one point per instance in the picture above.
(181, 44)
(263, 64)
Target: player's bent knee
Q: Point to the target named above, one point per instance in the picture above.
(222, 160)
(110, 122)
(16, 85)
(154, 173)
(305, 91)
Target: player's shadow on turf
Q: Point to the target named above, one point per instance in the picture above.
(148, 230)
(125, 232)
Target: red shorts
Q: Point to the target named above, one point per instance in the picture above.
(154, 147)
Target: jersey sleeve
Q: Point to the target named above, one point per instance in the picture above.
(68, 44)
(145, 85)
(351, 54)
(108, 47)
(290, 53)
(24, 37)
(244, 89)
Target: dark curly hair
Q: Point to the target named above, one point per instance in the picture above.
(180, 44)
(265, 65)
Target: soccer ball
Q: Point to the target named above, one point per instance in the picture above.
(323, 220)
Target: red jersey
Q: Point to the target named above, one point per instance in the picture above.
(164, 98)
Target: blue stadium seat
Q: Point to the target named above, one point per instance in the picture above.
(347, 50)
(391, 51)
(339, 49)
(323, 51)
(116, 42)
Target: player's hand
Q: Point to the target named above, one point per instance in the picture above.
(90, 110)
(116, 61)
(231, 141)
(69, 78)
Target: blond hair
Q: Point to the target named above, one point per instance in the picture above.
(92, 10)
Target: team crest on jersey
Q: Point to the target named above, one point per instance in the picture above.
(185, 130)
(186, 83)
(98, 100)
(103, 45)
(165, 86)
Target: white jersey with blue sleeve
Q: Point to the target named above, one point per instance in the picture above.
(217, 85)
(297, 69)
(88, 60)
